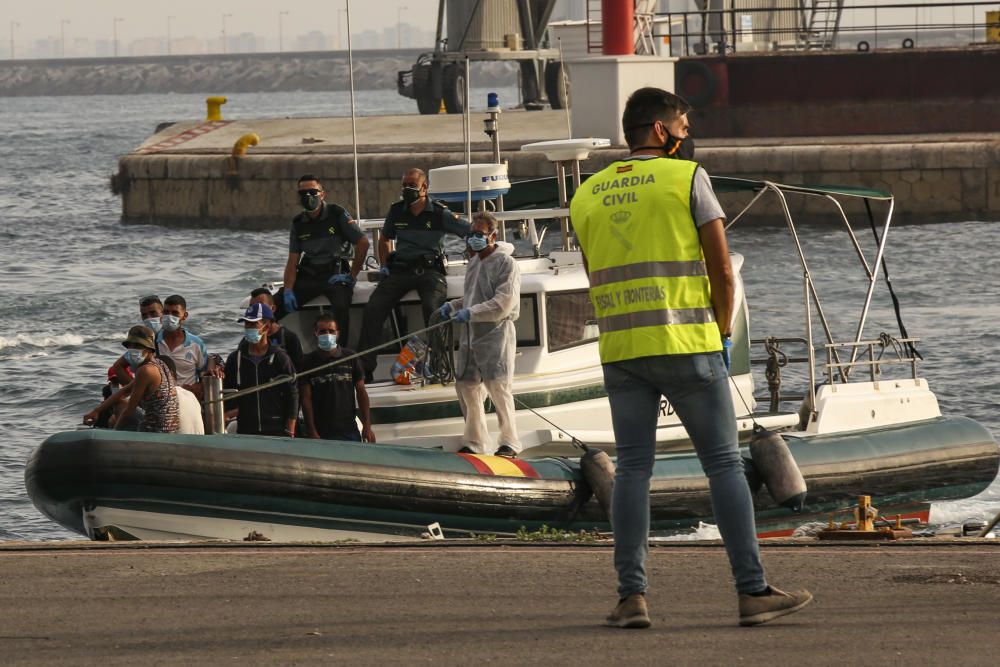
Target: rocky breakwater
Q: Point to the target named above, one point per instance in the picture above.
(326, 70)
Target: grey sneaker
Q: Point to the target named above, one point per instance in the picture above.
(758, 609)
(630, 613)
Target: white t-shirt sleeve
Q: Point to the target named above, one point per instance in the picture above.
(705, 206)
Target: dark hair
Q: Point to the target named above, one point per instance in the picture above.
(149, 300)
(414, 171)
(325, 317)
(646, 106)
(309, 177)
(169, 363)
(262, 290)
(175, 300)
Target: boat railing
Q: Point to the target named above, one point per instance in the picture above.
(863, 354)
(525, 223)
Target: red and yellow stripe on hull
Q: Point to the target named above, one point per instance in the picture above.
(500, 466)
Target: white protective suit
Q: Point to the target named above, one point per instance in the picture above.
(487, 344)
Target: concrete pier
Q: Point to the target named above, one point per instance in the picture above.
(917, 603)
(184, 174)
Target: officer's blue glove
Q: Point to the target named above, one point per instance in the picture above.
(445, 311)
(291, 303)
(342, 279)
(383, 272)
(726, 344)
(463, 315)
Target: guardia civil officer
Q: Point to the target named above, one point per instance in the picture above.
(320, 260)
(418, 225)
(655, 249)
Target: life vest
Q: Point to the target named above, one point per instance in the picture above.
(648, 280)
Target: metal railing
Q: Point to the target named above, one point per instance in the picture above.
(725, 31)
(869, 360)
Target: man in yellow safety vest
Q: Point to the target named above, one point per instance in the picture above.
(651, 231)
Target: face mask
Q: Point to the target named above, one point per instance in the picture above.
(327, 342)
(153, 323)
(310, 202)
(477, 243)
(134, 358)
(171, 322)
(253, 335)
(411, 195)
(686, 149)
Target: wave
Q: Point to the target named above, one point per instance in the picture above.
(40, 340)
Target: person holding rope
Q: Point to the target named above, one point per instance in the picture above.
(654, 247)
(256, 361)
(490, 303)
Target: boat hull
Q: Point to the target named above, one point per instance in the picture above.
(107, 484)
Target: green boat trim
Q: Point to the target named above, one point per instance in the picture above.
(398, 414)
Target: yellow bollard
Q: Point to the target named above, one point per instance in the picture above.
(214, 105)
(865, 513)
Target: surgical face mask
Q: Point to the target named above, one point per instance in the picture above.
(327, 341)
(171, 322)
(410, 195)
(153, 323)
(310, 199)
(477, 242)
(253, 335)
(134, 358)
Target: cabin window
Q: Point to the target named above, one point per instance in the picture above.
(526, 326)
(410, 316)
(570, 319)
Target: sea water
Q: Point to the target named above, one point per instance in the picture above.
(72, 275)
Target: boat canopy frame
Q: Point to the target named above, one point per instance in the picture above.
(811, 298)
(527, 220)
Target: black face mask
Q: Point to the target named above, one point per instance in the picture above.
(681, 149)
(310, 200)
(411, 195)
(686, 149)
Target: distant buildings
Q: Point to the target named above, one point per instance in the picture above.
(315, 40)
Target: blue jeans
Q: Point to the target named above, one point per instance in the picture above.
(697, 386)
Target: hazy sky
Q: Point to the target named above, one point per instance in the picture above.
(93, 19)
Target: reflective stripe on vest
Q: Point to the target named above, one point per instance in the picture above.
(648, 278)
(647, 270)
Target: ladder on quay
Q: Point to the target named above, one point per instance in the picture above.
(821, 24)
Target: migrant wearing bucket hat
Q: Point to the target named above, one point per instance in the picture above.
(140, 335)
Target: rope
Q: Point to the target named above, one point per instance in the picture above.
(439, 361)
(576, 441)
(776, 360)
(282, 379)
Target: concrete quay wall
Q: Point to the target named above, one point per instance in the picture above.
(934, 179)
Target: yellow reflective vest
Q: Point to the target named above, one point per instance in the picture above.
(648, 280)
